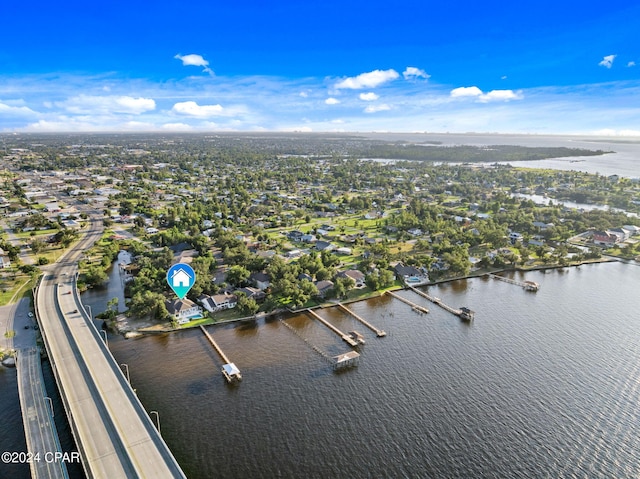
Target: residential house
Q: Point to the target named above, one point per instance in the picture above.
(410, 274)
(218, 302)
(183, 310)
(324, 288)
(324, 245)
(260, 279)
(357, 277)
(604, 238)
(252, 293)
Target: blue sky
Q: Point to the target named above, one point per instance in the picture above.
(543, 67)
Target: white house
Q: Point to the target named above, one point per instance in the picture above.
(218, 302)
(180, 279)
(183, 310)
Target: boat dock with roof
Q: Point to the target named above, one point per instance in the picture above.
(229, 370)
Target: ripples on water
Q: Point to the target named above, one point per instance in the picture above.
(540, 385)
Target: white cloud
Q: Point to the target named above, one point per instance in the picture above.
(493, 95)
(368, 96)
(465, 91)
(303, 94)
(631, 64)
(501, 95)
(607, 61)
(191, 108)
(503, 77)
(367, 80)
(6, 109)
(411, 73)
(376, 108)
(91, 104)
(195, 60)
(332, 101)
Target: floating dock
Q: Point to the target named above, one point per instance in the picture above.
(229, 369)
(463, 313)
(380, 333)
(345, 337)
(414, 306)
(527, 285)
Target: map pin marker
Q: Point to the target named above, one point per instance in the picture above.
(181, 278)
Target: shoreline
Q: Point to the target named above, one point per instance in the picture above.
(135, 333)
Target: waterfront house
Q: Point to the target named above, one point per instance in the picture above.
(218, 302)
(183, 310)
(355, 275)
(324, 288)
(604, 238)
(410, 274)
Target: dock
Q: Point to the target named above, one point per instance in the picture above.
(414, 306)
(229, 369)
(346, 360)
(380, 333)
(463, 313)
(526, 285)
(345, 337)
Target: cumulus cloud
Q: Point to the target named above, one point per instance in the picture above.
(367, 80)
(303, 94)
(607, 61)
(191, 108)
(376, 108)
(631, 64)
(493, 95)
(500, 95)
(368, 96)
(412, 73)
(91, 104)
(332, 101)
(464, 91)
(195, 60)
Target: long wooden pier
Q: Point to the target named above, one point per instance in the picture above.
(435, 300)
(527, 285)
(229, 370)
(417, 307)
(463, 313)
(380, 333)
(345, 337)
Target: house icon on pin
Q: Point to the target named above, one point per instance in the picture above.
(180, 279)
